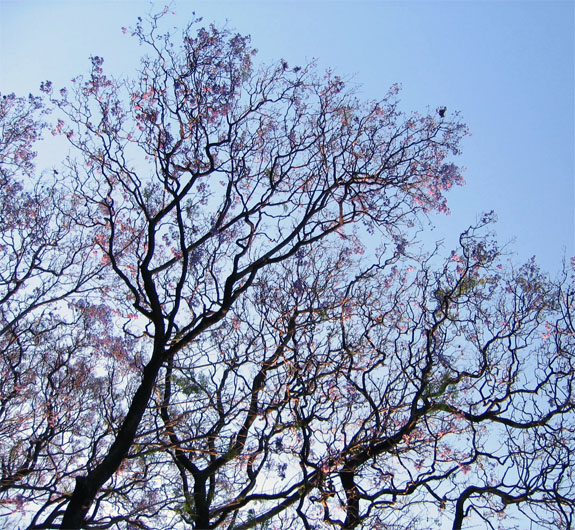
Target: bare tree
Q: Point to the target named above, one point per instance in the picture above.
(254, 338)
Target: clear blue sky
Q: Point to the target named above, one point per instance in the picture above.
(507, 66)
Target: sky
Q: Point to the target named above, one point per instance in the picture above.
(507, 67)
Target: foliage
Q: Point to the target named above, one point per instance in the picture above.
(215, 313)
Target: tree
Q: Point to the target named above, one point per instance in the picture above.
(42, 262)
(236, 327)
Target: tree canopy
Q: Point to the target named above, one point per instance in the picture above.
(215, 313)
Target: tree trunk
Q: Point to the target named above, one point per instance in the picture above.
(87, 486)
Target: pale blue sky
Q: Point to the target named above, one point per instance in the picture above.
(507, 66)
